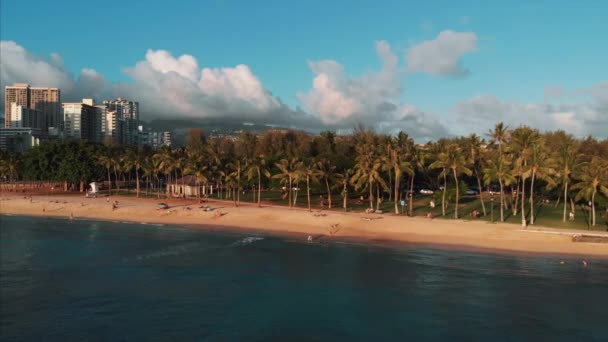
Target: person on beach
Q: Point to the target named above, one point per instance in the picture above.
(71, 216)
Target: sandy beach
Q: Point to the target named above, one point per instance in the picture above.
(321, 225)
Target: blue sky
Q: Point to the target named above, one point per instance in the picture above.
(521, 47)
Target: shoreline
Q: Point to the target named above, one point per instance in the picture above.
(360, 228)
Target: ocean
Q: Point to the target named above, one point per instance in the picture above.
(112, 281)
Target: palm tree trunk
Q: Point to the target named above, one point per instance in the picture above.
(565, 200)
(411, 196)
(457, 194)
(259, 188)
(109, 183)
(289, 196)
(345, 196)
(593, 208)
(137, 180)
(328, 193)
(371, 201)
(238, 185)
(445, 188)
(158, 190)
(516, 198)
(377, 196)
(483, 205)
(390, 185)
(396, 191)
(308, 191)
(117, 183)
(295, 193)
(532, 198)
(502, 201)
(523, 208)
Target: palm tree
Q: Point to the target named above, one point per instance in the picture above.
(368, 173)
(567, 161)
(148, 170)
(195, 165)
(500, 135)
(591, 179)
(312, 173)
(473, 148)
(399, 165)
(232, 184)
(541, 167)
(417, 157)
(257, 167)
(458, 165)
(327, 170)
(166, 164)
(137, 162)
(288, 173)
(441, 162)
(344, 179)
(107, 161)
(523, 139)
(498, 169)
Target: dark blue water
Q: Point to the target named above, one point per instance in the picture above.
(86, 280)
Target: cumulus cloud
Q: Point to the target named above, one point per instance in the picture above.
(441, 56)
(166, 87)
(17, 65)
(372, 99)
(175, 86)
(480, 113)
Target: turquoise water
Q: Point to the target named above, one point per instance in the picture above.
(87, 280)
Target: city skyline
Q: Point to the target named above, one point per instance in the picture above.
(431, 75)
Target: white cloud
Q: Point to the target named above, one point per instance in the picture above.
(17, 65)
(440, 56)
(371, 99)
(338, 99)
(162, 61)
(480, 113)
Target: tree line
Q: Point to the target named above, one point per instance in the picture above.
(521, 163)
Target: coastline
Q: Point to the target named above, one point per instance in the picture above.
(372, 229)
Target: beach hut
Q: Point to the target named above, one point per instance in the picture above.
(185, 187)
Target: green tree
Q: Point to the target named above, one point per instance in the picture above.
(288, 173)
(328, 173)
(591, 180)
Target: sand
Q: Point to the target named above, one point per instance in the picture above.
(321, 225)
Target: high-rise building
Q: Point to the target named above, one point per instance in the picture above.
(25, 117)
(127, 112)
(17, 94)
(45, 100)
(48, 101)
(112, 127)
(81, 121)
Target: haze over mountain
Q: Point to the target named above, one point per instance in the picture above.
(394, 66)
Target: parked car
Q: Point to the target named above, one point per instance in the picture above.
(472, 192)
(427, 191)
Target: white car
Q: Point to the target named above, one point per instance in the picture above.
(427, 191)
